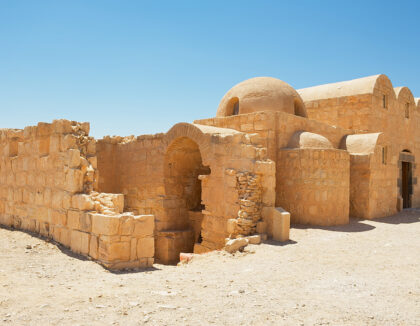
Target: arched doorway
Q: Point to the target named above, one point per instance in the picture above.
(183, 205)
(405, 181)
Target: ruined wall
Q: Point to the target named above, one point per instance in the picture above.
(315, 185)
(158, 175)
(133, 166)
(48, 179)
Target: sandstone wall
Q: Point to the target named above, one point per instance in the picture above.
(48, 178)
(367, 112)
(273, 131)
(193, 179)
(348, 112)
(133, 166)
(314, 185)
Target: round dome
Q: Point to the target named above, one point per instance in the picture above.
(304, 139)
(261, 94)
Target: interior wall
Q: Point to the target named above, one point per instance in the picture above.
(133, 166)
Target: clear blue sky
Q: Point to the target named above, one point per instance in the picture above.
(136, 67)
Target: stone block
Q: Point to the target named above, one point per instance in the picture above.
(281, 224)
(82, 202)
(44, 228)
(65, 237)
(93, 247)
(234, 245)
(231, 225)
(133, 249)
(261, 227)
(59, 218)
(73, 158)
(254, 239)
(105, 224)
(127, 225)
(112, 251)
(118, 201)
(145, 247)
(74, 180)
(200, 249)
(73, 219)
(144, 225)
(68, 141)
(44, 146)
(80, 242)
(86, 222)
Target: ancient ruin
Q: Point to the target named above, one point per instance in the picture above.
(323, 154)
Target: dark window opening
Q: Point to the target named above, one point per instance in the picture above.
(236, 108)
(385, 101)
(407, 110)
(384, 154)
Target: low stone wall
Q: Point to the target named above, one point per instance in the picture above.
(314, 185)
(48, 178)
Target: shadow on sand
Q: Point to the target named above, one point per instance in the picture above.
(355, 225)
(408, 215)
(72, 254)
(279, 244)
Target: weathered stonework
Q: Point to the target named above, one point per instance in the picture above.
(270, 156)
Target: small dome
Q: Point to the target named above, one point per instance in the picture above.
(261, 94)
(304, 139)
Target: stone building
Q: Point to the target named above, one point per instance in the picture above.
(323, 153)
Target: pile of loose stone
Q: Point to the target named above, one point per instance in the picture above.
(249, 189)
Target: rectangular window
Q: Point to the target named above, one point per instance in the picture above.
(407, 110)
(385, 101)
(384, 154)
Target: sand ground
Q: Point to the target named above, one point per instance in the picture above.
(365, 273)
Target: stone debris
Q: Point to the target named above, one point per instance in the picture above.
(234, 245)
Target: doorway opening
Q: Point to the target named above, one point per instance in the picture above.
(183, 204)
(406, 183)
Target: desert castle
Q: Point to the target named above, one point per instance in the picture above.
(323, 154)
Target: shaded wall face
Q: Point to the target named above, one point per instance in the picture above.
(383, 185)
(360, 180)
(134, 167)
(183, 166)
(313, 185)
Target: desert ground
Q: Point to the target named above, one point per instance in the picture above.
(364, 273)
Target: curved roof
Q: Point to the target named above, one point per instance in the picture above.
(417, 101)
(360, 143)
(261, 94)
(304, 139)
(403, 90)
(365, 85)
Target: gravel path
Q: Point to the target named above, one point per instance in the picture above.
(365, 273)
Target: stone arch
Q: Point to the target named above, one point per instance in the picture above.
(384, 92)
(189, 163)
(182, 167)
(406, 100)
(232, 107)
